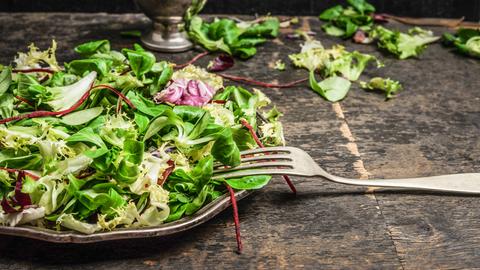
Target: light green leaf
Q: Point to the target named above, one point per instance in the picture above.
(332, 89)
(82, 117)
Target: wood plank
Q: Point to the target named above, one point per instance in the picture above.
(431, 128)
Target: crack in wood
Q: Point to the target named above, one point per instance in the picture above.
(359, 167)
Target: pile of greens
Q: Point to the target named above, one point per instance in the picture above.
(357, 20)
(337, 66)
(465, 41)
(345, 22)
(86, 148)
(238, 39)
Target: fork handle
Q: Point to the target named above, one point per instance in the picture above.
(456, 183)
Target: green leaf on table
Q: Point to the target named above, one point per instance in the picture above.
(466, 41)
(344, 22)
(332, 88)
(390, 87)
(249, 182)
(403, 45)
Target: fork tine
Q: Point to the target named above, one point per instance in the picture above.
(266, 150)
(260, 158)
(255, 165)
(242, 173)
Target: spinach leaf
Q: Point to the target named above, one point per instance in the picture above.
(83, 66)
(249, 182)
(225, 149)
(128, 169)
(92, 47)
(140, 60)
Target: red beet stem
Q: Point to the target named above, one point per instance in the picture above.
(118, 93)
(167, 172)
(71, 109)
(258, 83)
(24, 100)
(236, 220)
(193, 60)
(33, 70)
(260, 144)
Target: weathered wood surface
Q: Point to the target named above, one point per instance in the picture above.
(431, 128)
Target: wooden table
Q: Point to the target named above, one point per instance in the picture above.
(431, 128)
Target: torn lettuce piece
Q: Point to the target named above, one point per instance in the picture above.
(345, 21)
(239, 39)
(466, 41)
(403, 45)
(333, 61)
(390, 87)
(332, 88)
(35, 58)
(65, 97)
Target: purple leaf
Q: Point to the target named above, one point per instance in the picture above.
(7, 208)
(21, 198)
(221, 63)
(186, 92)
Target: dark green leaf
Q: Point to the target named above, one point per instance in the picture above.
(89, 48)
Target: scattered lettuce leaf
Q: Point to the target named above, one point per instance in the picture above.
(387, 85)
(403, 45)
(332, 88)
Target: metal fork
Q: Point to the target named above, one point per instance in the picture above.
(295, 161)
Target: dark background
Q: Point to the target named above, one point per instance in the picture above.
(418, 8)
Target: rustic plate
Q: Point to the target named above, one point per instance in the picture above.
(204, 214)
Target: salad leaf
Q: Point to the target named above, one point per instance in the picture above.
(390, 87)
(82, 67)
(249, 182)
(92, 47)
(5, 80)
(82, 117)
(332, 88)
(344, 22)
(35, 58)
(237, 39)
(465, 41)
(401, 44)
(225, 149)
(140, 60)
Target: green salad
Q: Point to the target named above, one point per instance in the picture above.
(118, 139)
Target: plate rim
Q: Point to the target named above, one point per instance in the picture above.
(201, 216)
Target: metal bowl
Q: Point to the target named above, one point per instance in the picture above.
(166, 15)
